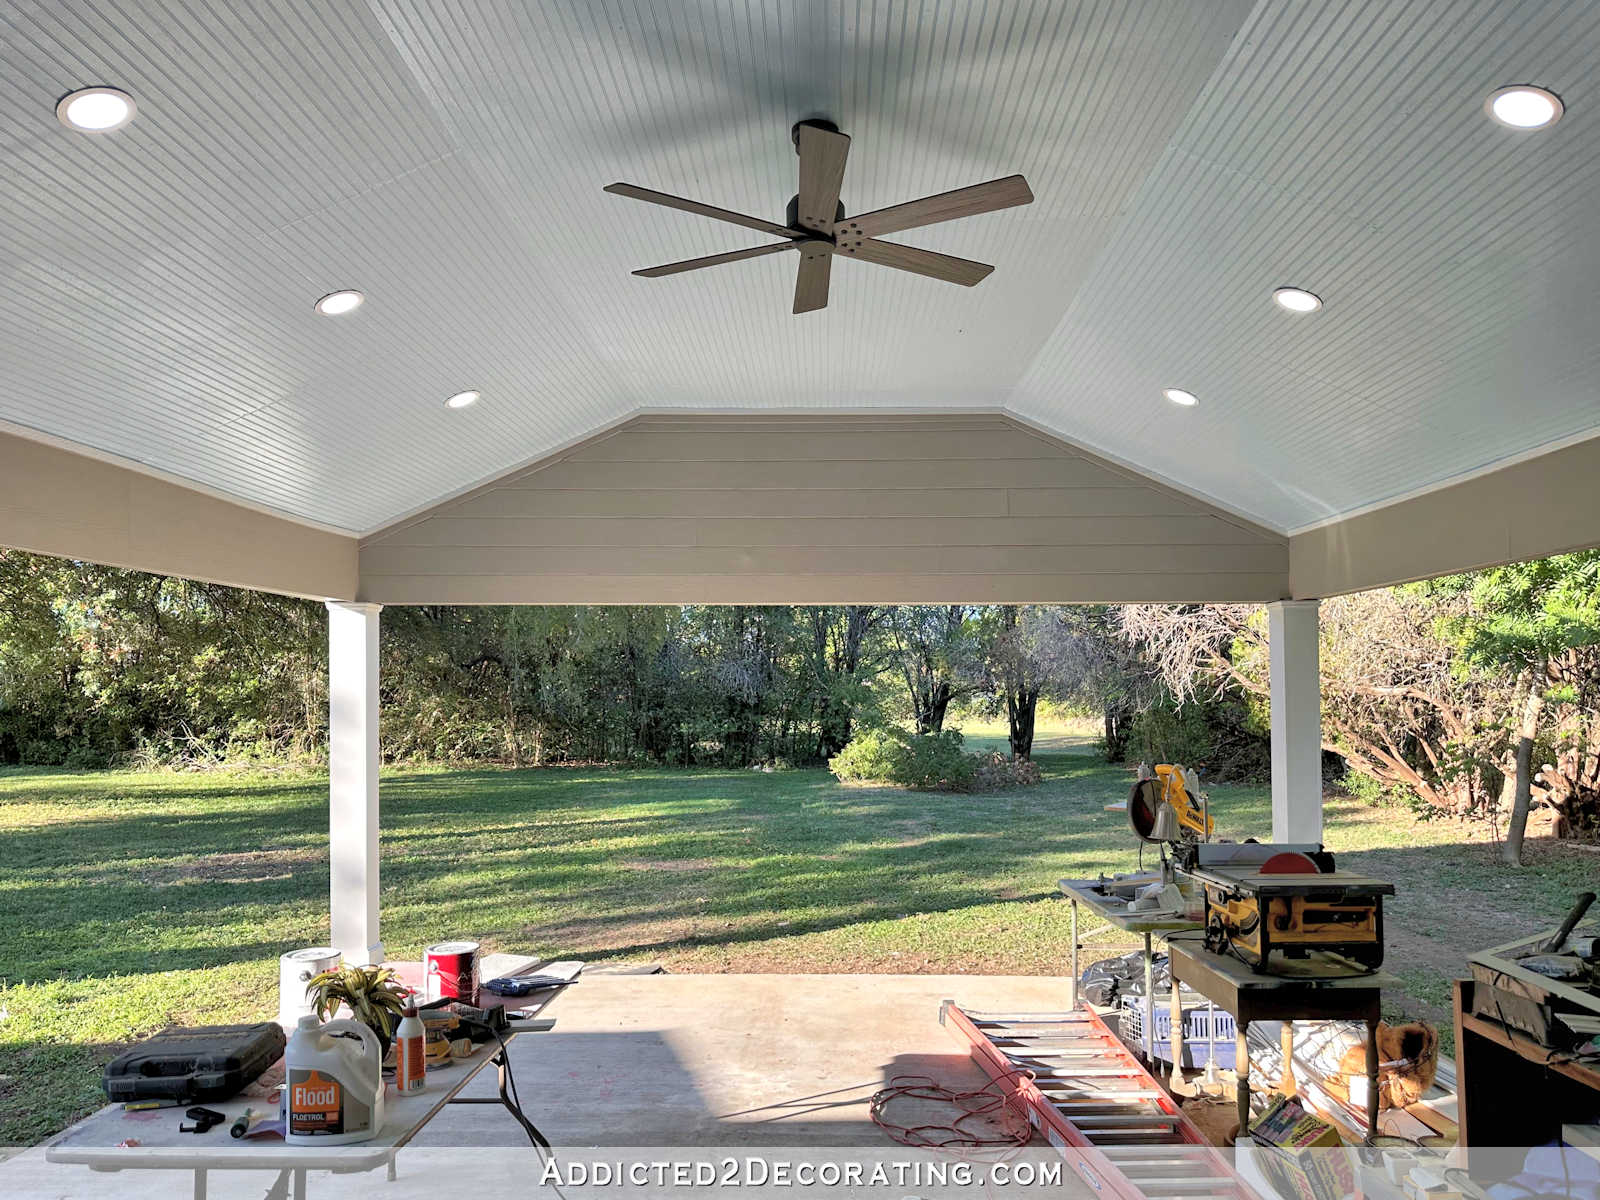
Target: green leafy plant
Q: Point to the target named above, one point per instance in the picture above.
(925, 761)
(374, 996)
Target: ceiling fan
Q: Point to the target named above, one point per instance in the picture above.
(818, 228)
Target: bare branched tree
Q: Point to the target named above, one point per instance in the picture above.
(1394, 703)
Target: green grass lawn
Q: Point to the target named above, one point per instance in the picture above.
(132, 901)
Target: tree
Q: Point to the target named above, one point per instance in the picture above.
(1541, 621)
(840, 665)
(936, 650)
(1035, 651)
(1392, 704)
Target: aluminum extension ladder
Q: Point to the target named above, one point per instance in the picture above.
(1080, 1087)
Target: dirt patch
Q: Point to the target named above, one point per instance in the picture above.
(669, 864)
(249, 866)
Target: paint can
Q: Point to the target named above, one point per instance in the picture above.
(295, 970)
(450, 972)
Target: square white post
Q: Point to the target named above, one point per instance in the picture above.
(1292, 630)
(353, 780)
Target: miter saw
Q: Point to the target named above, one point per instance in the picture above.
(1260, 897)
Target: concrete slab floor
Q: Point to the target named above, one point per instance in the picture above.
(725, 1060)
(751, 1063)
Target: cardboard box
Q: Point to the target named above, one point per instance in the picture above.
(1287, 1125)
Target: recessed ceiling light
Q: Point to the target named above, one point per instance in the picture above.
(1179, 396)
(1524, 107)
(337, 303)
(461, 400)
(95, 109)
(1297, 300)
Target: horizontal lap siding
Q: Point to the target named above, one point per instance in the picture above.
(914, 560)
(1160, 587)
(823, 508)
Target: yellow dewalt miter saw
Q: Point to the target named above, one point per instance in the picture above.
(1166, 805)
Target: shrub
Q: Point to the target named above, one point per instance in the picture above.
(936, 762)
(927, 762)
(873, 756)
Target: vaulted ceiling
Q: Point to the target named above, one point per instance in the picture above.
(156, 283)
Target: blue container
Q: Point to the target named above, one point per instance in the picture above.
(1195, 1051)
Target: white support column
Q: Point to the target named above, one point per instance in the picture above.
(353, 780)
(1296, 721)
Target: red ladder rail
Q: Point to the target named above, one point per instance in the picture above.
(1078, 1085)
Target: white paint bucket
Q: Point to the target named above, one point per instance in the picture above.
(295, 970)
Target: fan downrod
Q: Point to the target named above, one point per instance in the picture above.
(815, 123)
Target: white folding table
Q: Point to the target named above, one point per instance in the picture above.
(98, 1141)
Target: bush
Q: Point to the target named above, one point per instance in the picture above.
(873, 756)
(1217, 734)
(936, 762)
(928, 762)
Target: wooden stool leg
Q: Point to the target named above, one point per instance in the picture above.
(1241, 1070)
(1176, 1040)
(1372, 1076)
(1286, 1048)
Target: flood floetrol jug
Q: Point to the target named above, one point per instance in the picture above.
(333, 1085)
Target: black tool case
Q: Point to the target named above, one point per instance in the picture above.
(212, 1062)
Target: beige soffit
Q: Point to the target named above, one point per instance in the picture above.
(56, 501)
(1537, 507)
(822, 508)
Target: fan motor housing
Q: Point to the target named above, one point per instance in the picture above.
(792, 214)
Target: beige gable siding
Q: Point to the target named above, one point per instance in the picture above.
(55, 501)
(1530, 509)
(677, 508)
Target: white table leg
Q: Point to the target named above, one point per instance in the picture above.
(199, 1183)
(300, 1184)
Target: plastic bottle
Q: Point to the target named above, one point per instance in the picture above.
(410, 1066)
(333, 1092)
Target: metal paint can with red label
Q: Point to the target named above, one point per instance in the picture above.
(450, 972)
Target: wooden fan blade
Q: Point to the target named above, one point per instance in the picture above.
(924, 262)
(715, 260)
(705, 210)
(822, 158)
(811, 281)
(946, 206)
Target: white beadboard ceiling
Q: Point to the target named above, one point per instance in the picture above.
(156, 283)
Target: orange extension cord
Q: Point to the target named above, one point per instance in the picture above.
(983, 1102)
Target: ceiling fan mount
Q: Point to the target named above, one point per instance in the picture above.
(816, 226)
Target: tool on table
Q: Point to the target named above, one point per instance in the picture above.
(1553, 946)
(205, 1120)
(1166, 805)
(241, 1126)
(208, 1063)
(522, 985)
(148, 1105)
(1546, 986)
(1263, 898)
(1260, 898)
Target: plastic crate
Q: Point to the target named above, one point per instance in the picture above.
(1195, 1053)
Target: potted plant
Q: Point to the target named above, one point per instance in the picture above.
(373, 995)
